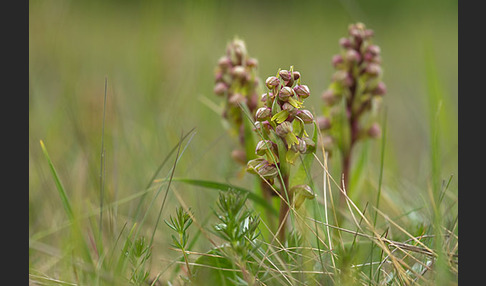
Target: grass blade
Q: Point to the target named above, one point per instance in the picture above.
(62, 193)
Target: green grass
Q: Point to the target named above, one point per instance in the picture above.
(158, 59)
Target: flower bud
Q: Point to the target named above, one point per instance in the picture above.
(374, 131)
(289, 107)
(343, 77)
(352, 56)
(329, 97)
(220, 88)
(252, 62)
(239, 156)
(285, 93)
(295, 75)
(306, 116)
(285, 75)
(237, 98)
(263, 146)
(373, 69)
(337, 60)
(252, 101)
(272, 82)
(373, 49)
(263, 113)
(254, 165)
(304, 190)
(283, 129)
(369, 33)
(264, 97)
(302, 91)
(323, 123)
(380, 89)
(345, 43)
(238, 72)
(224, 62)
(310, 145)
(301, 146)
(301, 193)
(268, 171)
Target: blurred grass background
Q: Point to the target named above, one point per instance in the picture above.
(158, 58)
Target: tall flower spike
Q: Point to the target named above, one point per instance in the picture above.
(358, 82)
(281, 125)
(236, 80)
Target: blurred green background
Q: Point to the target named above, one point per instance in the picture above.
(158, 58)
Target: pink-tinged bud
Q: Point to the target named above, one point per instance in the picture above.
(374, 131)
(252, 62)
(252, 101)
(239, 156)
(302, 91)
(310, 145)
(343, 77)
(329, 97)
(285, 93)
(373, 49)
(264, 97)
(254, 165)
(301, 146)
(224, 62)
(373, 69)
(263, 146)
(352, 56)
(268, 171)
(237, 98)
(283, 129)
(337, 60)
(263, 113)
(220, 88)
(345, 43)
(369, 33)
(272, 82)
(238, 72)
(285, 75)
(306, 116)
(289, 107)
(380, 89)
(263, 126)
(295, 75)
(323, 123)
(368, 57)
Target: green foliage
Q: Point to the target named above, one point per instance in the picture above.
(158, 58)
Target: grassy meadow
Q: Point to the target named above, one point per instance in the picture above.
(114, 85)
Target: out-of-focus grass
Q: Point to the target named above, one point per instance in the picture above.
(159, 58)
